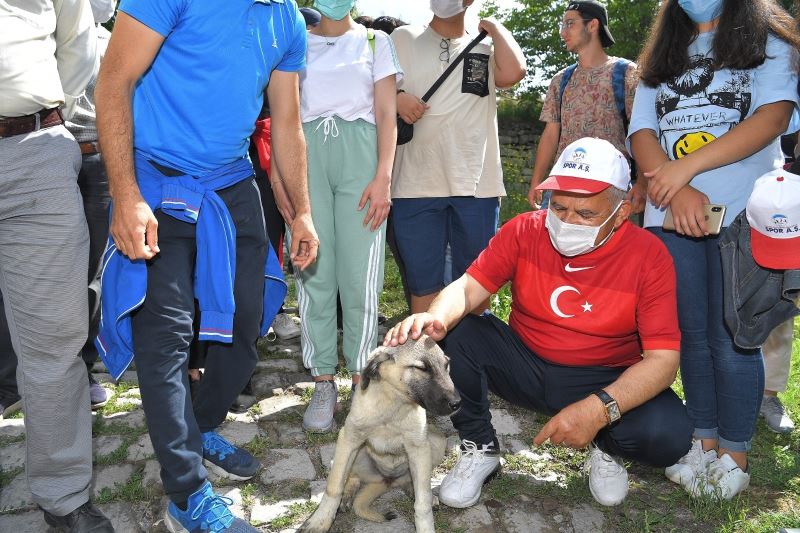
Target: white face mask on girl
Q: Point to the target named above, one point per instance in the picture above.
(102, 10)
(444, 9)
(575, 239)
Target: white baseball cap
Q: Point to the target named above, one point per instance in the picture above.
(773, 212)
(588, 166)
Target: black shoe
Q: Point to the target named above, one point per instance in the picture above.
(85, 519)
(9, 405)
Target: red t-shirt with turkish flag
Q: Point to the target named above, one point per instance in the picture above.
(597, 309)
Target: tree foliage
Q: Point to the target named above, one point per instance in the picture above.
(535, 25)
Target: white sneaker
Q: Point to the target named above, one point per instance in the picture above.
(775, 415)
(690, 466)
(724, 479)
(461, 487)
(284, 327)
(608, 478)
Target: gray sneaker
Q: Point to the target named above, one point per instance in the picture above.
(318, 417)
(775, 415)
(97, 394)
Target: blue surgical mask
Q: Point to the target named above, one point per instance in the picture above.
(701, 11)
(334, 9)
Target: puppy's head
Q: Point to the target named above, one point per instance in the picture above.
(418, 370)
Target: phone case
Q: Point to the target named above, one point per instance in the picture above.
(715, 214)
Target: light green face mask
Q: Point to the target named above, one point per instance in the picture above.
(334, 9)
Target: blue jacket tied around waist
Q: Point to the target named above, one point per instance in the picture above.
(190, 199)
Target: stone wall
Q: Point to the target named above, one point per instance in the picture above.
(518, 141)
(520, 134)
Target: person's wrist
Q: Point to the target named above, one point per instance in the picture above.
(127, 197)
(692, 166)
(599, 413)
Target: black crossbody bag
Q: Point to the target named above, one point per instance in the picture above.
(405, 131)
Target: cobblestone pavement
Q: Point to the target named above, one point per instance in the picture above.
(536, 493)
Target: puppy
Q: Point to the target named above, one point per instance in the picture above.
(385, 441)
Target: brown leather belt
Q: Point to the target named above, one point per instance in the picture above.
(89, 148)
(46, 118)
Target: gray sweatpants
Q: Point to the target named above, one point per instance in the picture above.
(44, 247)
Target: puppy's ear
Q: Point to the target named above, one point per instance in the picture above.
(372, 371)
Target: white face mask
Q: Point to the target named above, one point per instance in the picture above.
(102, 10)
(444, 9)
(575, 239)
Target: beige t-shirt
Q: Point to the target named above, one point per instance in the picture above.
(455, 150)
(588, 108)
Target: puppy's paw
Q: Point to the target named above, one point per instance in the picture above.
(306, 528)
(314, 524)
(374, 516)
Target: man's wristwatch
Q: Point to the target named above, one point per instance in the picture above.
(612, 409)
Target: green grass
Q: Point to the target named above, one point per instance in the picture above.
(5, 441)
(249, 492)
(259, 445)
(131, 491)
(7, 476)
(294, 514)
(392, 301)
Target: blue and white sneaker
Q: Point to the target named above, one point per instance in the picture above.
(227, 461)
(206, 512)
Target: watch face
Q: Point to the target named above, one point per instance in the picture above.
(613, 411)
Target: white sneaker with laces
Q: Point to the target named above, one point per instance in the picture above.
(775, 415)
(724, 479)
(690, 466)
(608, 478)
(284, 327)
(461, 487)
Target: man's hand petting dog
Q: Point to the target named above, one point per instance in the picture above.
(414, 327)
(575, 425)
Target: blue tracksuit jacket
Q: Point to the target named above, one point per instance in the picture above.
(124, 282)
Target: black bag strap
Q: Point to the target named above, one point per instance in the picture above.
(453, 66)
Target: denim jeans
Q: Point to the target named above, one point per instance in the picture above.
(722, 382)
(465, 223)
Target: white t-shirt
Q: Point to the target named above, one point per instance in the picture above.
(455, 150)
(341, 73)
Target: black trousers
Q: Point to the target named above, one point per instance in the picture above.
(486, 355)
(162, 333)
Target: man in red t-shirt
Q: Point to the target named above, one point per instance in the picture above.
(592, 338)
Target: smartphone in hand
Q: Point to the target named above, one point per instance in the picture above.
(714, 214)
